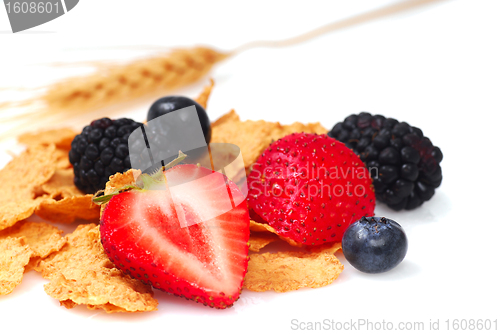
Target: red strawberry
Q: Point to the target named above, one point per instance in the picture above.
(310, 188)
(189, 239)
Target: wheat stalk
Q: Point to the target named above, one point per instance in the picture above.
(116, 83)
(119, 83)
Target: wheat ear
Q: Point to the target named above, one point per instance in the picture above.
(121, 82)
(114, 84)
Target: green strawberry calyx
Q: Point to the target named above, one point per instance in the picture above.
(144, 182)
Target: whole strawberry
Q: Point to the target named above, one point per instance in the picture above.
(190, 239)
(310, 188)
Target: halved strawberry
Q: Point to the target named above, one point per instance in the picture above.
(190, 239)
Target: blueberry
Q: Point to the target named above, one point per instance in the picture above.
(374, 244)
(168, 104)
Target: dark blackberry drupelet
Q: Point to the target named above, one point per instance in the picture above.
(101, 150)
(403, 163)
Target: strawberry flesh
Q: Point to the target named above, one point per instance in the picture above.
(189, 239)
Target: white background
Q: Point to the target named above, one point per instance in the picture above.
(436, 68)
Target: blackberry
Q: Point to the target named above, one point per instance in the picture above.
(403, 163)
(101, 150)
